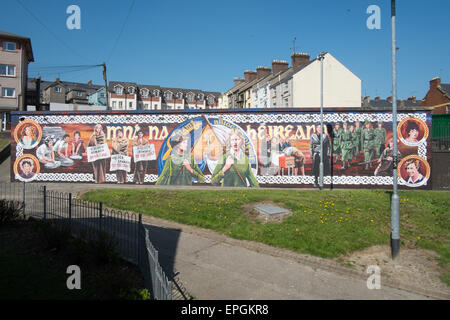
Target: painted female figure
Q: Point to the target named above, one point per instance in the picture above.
(98, 166)
(141, 166)
(29, 136)
(233, 169)
(120, 146)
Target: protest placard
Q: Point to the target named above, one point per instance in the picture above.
(120, 162)
(144, 153)
(98, 152)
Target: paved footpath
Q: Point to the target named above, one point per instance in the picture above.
(213, 266)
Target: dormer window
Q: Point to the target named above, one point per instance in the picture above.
(79, 94)
(179, 95)
(168, 95)
(118, 90)
(190, 97)
(131, 90)
(58, 89)
(144, 93)
(200, 96)
(210, 100)
(156, 93)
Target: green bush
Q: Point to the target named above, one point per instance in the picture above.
(56, 235)
(9, 211)
(103, 248)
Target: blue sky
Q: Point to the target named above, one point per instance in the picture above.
(205, 44)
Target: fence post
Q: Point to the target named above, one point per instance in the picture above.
(45, 202)
(139, 248)
(70, 209)
(100, 208)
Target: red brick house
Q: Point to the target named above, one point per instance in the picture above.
(438, 97)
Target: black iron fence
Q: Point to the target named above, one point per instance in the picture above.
(126, 228)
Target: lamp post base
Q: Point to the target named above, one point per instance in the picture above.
(395, 248)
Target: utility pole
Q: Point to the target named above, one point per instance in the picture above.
(321, 57)
(106, 85)
(395, 201)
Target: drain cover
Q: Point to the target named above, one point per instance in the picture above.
(270, 209)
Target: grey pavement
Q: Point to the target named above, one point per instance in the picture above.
(213, 266)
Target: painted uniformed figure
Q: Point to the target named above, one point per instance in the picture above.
(120, 146)
(233, 169)
(358, 134)
(386, 161)
(337, 132)
(368, 142)
(314, 149)
(354, 140)
(346, 146)
(380, 138)
(180, 167)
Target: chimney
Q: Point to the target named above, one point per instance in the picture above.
(238, 81)
(435, 82)
(90, 82)
(262, 71)
(377, 98)
(389, 99)
(279, 65)
(299, 58)
(249, 75)
(57, 80)
(412, 98)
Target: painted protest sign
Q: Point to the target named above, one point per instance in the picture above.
(95, 153)
(144, 153)
(120, 162)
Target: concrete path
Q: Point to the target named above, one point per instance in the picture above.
(213, 266)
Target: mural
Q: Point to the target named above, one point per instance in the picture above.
(240, 149)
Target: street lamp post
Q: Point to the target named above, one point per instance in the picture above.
(321, 57)
(395, 201)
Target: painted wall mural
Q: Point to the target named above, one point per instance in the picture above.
(259, 148)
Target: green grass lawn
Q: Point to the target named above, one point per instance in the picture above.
(3, 142)
(326, 224)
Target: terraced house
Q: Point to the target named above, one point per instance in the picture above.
(133, 96)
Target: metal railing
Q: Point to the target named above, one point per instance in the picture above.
(84, 217)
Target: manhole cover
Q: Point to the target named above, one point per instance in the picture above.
(270, 209)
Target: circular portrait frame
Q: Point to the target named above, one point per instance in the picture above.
(419, 164)
(416, 124)
(19, 132)
(18, 164)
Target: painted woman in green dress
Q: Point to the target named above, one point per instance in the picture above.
(233, 169)
(180, 167)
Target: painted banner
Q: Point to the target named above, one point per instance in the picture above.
(242, 148)
(120, 162)
(144, 153)
(99, 152)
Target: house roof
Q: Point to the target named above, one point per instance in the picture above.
(385, 104)
(287, 74)
(25, 40)
(445, 87)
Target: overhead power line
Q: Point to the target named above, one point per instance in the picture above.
(121, 31)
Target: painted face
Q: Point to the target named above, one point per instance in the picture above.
(351, 128)
(26, 168)
(98, 130)
(368, 126)
(66, 139)
(77, 136)
(318, 129)
(28, 131)
(412, 170)
(140, 135)
(413, 134)
(357, 124)
(380, 125)
(345, 127)
(235, 142)
(50, 143)
(183, 146)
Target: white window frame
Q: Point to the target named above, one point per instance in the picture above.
(114, 104)
(5, 46)
(168, 95)
(5, 90)
(118, 90)
(130, 105)
(210, 100)
(58, 89)
(144, 93)
(156, 93)
(120, 105)
(79, 94)
(7, 69)
(131, 90)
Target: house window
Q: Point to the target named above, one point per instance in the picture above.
(8, 92)
(286, 87)
(114, 104)
(156, 93)
(130, 105)
(190, 97)
(200, 96)
(9, 46)
(120, 104)
(7, 70)
(79, 94)
(144, 93)
(102, 95)
(179, 95)
(146, 106)
(210, 100)
(58, 89)
(168, 96)
(130, 90)
(119, 91)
